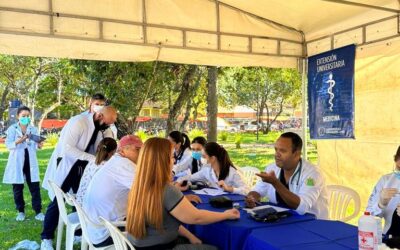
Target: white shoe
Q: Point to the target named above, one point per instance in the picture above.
(39, 217)
(77, 240)
(46, 245)
(20, 216)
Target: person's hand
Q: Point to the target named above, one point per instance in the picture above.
(40, 145)
(181, 187)
(232, 214)
(223, 185)
(22, 139)
(193, 198)
(250, 201)
(398, 209)
(385, 196)
(269, 177)
(194, 240)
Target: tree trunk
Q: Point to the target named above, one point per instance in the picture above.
(45, 113)
(180, 101)
(3, 105)
(187, 114)
(212, 104)
(54, 105)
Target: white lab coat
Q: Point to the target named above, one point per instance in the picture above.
(71, 146)
(234, 179)
(386, 181)
(313, 198)
(184, 163)
(13, 173)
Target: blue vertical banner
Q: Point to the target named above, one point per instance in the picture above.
(331, 94)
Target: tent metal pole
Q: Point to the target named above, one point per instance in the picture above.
(304, 81)
(344, 2)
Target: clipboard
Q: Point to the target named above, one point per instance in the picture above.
(37, 138)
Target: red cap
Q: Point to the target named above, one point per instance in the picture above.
(130, 140)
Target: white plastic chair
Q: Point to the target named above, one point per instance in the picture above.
(249, 175)
(121, 242)
(339, 200)
(84, 220)
(71, 221)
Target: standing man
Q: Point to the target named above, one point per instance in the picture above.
(97, 102)
(291, 181)
(80, 139)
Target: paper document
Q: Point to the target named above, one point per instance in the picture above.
(278, 209)
(210, 191)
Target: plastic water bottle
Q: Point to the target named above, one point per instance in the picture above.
(367, 232)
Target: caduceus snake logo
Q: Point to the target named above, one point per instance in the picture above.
(330, 88)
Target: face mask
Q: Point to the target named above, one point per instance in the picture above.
(196, 155)
(97, 108)
(397, 173)
(203, 161)
(24, 120)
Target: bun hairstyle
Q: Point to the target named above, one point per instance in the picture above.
(214, 149)
(181, 138)
(105, 149)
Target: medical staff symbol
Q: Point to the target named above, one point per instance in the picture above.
(331, 83)
(310, 182)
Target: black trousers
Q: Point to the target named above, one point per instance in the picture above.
(71, 182)
(34, 188)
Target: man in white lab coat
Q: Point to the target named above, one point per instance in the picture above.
(385, 199)
(97, 102)
(80, 139)
(291, 181)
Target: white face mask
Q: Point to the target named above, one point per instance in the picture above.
(203, 161)
(97, 108)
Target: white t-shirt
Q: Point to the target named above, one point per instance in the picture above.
(107, 195)
(87, 176)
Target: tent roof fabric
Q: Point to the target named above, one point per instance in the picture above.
(269, 33)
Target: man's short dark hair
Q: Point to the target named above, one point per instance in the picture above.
(297, 142)
(23, 108)
(397, 155)
(98, 96)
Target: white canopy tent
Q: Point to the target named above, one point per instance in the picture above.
(271, 33)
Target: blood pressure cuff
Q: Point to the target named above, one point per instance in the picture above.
(221, 202)
(268, 214)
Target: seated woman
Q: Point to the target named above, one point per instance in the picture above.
(221, 174)
(182, 154)
(156, 209)
(105, 150)
(385, 199)
(197, 147)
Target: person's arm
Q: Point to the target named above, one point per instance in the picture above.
(11, 140)
(184, 163)
(291, 199)
(185, 212)
(188, 235)
(71, 138)
(373, 201)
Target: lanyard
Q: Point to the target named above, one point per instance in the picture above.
(297, 173)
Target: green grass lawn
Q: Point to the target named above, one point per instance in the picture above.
(251, 153)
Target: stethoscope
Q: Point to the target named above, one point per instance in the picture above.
(297, 173)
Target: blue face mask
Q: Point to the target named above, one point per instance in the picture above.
(24, 120)
(196, 155)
